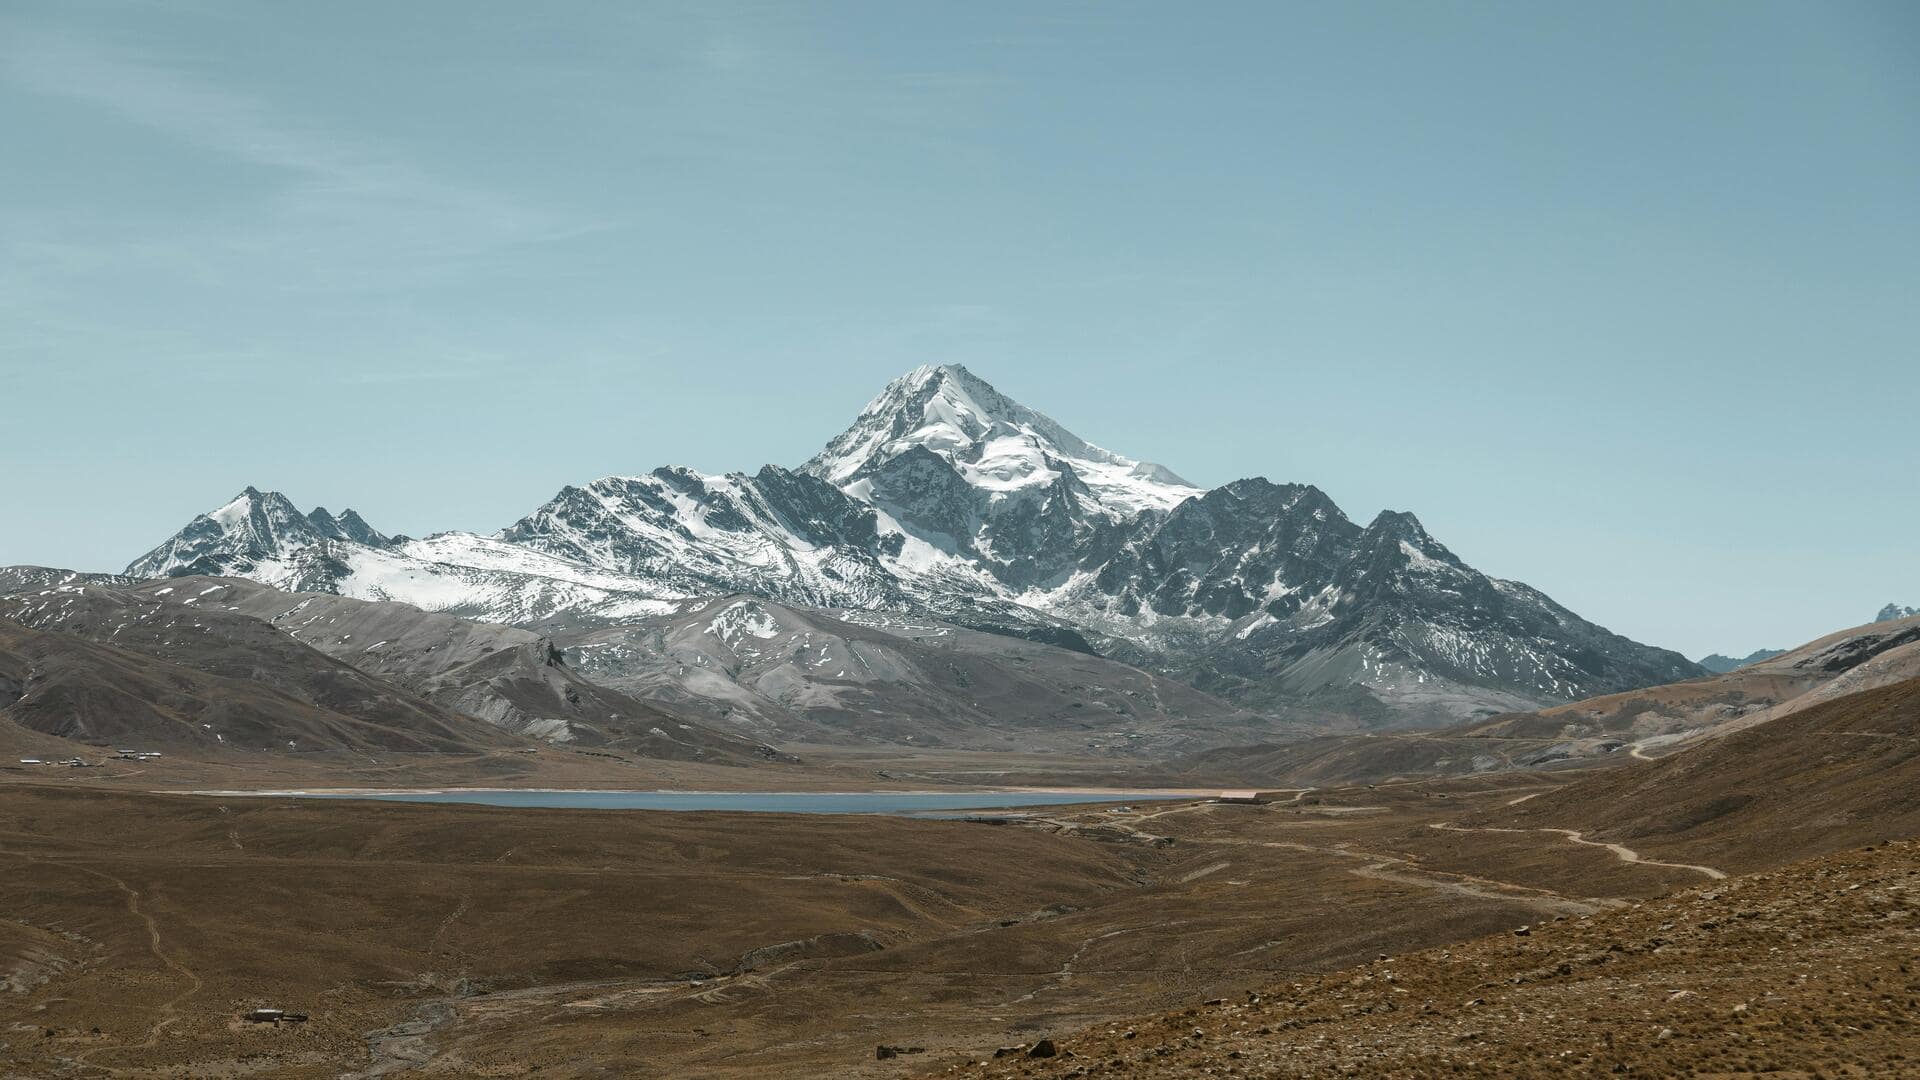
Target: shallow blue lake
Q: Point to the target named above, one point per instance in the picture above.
(765, 802)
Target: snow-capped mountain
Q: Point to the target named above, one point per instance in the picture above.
(996, 444)
(946, 498)
(253, 531)
(807, 675)
(786, 535)
(1895, 611)
(1269, 595)
(966, 473)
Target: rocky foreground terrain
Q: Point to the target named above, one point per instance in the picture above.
(1805, 971)
(1794, 970)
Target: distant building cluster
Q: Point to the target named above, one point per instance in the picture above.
(83, 763)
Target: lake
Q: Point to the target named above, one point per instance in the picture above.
(765, 802)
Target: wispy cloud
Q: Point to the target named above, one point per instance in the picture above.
(149, 94)
(402, 376)
(355, 211)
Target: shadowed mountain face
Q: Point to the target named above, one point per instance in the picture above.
(96, 665)
(1636, 724)
(225, 663)
(73, 688)
(510, 677)
(252, 531)
(805, 675)
(947, 500)
(1268, 594)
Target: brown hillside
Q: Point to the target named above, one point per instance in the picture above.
(1838, 774)
(1802, 972)
(284, 697)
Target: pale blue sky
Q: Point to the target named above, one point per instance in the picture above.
(1619, 298)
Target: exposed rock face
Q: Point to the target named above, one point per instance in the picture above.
(947, 499)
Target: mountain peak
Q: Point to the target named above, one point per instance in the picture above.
(1400, 525)
(348, 526)
(926, 373)
(999, 445)
(251, 528)
(1895, 611)
(1401, 532)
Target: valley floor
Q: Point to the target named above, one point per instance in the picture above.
(819, 768)
(440, 940)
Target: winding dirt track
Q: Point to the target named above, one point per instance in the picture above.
(1383, 866)
(168, 1010)
(1620, 851)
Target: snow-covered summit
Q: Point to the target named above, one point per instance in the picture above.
(251, 528)
(995, 443)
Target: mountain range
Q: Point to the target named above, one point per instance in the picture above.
(1637, 724)
(946, 500)
(1720, 663)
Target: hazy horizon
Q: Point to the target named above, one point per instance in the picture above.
(1619, 302)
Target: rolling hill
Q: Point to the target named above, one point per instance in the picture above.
(1635, 724)
(184, 665)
